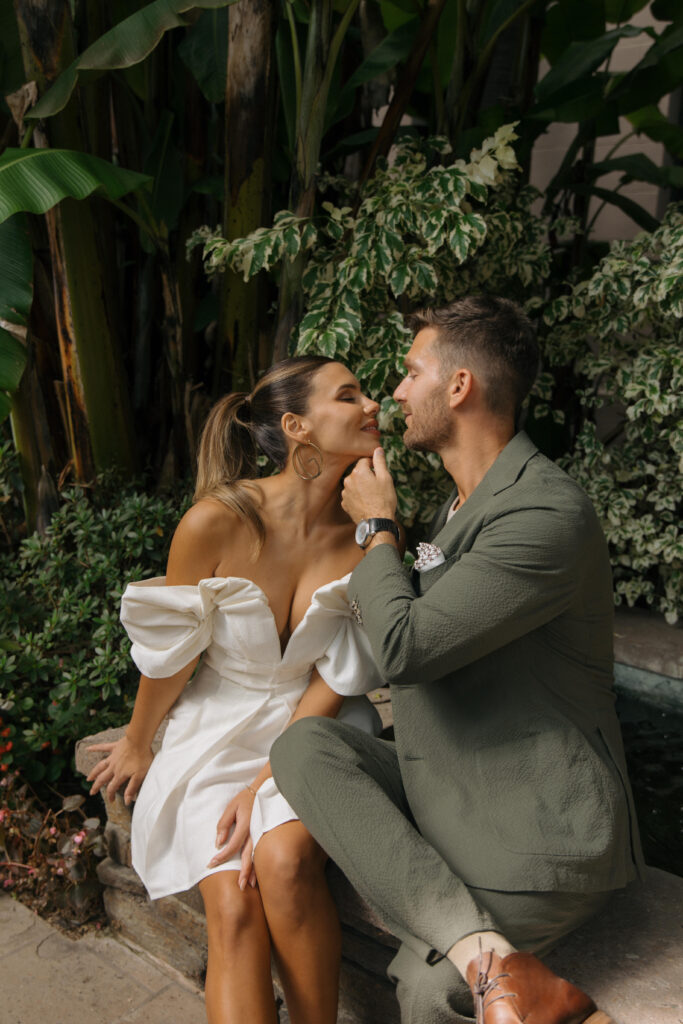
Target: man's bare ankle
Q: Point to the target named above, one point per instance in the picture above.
(466, 949)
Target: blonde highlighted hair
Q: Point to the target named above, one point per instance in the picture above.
(240, 425)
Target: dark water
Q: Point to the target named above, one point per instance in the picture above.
(653, 740)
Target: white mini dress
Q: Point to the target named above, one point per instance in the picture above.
(239, 700)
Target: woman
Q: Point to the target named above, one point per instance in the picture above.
(256, 578)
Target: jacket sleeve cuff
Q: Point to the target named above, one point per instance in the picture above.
(381, 566)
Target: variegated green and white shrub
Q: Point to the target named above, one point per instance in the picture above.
(623, 332)
(423, 231)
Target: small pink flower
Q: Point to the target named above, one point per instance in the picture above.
(53, 830)
(78, 838)
(8, 883)
(60, 871)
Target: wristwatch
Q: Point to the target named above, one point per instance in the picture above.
(367, 528)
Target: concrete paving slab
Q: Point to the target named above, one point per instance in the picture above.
(60, 983)
(49, 978)
(173, 1004)
(134, 965)
(18, 926)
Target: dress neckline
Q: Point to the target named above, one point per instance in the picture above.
(216, 582)
(250, 583)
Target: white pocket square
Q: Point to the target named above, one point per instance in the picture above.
(428, 556)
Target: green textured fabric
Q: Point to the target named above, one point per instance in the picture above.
(346, 787)
(501, 670)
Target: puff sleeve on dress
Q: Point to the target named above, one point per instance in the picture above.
(347, 664)
(168, 626)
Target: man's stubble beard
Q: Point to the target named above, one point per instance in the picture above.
(435, 428)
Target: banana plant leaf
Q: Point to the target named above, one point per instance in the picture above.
(12, 364)
(16, 296)
(205, 52)
(11, 65)
(651, 121)
(576, 102)
(657, 74)
(391, 51)
(632, 209)
(165, 165)
(126, 44)
(570, 21)
(16, 279)
(580, 59)
(35, 180)
(638, 167)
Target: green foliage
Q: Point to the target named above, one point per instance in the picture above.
(37, 179)
(64, 656)
(423, 233)
(125, 45)
(205, 52)
(621, 333)
(11, 509)
(16, 296)
(583, 88)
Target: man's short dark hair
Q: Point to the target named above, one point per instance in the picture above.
(496, 336)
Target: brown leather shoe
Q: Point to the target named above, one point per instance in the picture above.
(519, 987)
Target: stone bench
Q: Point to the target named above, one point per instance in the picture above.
(630, 960)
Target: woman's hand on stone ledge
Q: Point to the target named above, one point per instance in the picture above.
(124, 765)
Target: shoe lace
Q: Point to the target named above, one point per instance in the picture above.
(484, 987)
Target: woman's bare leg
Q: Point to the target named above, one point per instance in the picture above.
(303, 922)
(238, 981)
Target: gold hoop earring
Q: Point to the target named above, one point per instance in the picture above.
(307, 464)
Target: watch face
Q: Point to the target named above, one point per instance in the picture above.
(362, 531)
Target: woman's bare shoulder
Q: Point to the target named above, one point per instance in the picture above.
(204, 536)
(208, 514)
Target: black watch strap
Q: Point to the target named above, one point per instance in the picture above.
(382, 525)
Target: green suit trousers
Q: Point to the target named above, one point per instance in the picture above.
(346, 787)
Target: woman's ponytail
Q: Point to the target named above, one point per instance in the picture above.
(226, 460)
(226, 447)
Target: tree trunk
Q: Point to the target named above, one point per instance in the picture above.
(249, 128)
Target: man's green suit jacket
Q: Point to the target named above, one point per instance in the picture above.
(501, 669)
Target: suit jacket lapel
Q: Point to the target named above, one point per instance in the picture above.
(438, 522)
(502, 474)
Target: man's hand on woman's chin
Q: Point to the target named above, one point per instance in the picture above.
(369, 490)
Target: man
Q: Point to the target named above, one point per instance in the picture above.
(502, 817)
